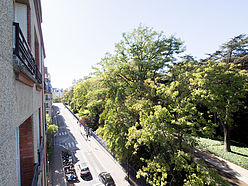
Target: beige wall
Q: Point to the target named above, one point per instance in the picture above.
(7, 98)
(50, 103)
(17, 100)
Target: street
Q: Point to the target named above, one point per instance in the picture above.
(72, 137)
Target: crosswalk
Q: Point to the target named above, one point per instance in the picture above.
(68, 144)
(62, 133)
(62, 140)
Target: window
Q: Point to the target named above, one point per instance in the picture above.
(21, 17)
(37, 51)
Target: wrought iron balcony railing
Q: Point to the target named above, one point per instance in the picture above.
(24, 54)
(36, 175)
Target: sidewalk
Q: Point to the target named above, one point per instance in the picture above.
(239, 175)
(56, 169)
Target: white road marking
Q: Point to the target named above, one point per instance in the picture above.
(86, 150)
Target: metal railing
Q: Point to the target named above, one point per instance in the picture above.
(39, 166)
(24, 54)
(38, 75)
(41, 155)
(36, 175)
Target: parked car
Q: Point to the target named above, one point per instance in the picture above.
(106, 179)
(84, 169)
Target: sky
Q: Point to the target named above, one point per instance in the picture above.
(78, 33)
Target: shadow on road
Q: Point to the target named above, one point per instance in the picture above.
(56, 165)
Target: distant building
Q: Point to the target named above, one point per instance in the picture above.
(48, 93)
(22, 114)
(57, 92)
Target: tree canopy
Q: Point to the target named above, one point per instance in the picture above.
(149, 103)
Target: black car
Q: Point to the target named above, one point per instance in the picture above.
(106, 179)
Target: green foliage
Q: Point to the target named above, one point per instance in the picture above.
(139, 56)
(48, 119)
(234, 51)
(146, 105)
(56, 99)
(165, 127)
(67, 98)
(51, 130)
(85, 113)
(221, 87)
(86, 98)
(148, 114)
(179, 171)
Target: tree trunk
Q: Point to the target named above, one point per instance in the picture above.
(226, 130)
(226, 138)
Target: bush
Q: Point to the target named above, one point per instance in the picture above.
(56, 99)
(51, 130)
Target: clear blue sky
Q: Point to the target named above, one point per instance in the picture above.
(78, 33)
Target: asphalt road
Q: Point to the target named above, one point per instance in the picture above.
(72, 137)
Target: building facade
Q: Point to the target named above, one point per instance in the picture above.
(22, 113)
(48, 93)
(58, 93)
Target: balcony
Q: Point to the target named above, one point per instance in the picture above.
(47, 86)
(25, 61)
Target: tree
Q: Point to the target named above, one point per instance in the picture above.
(67, 98)
(80, 91)
(87, 95)
(143, 120)
(56, 99)
(221, 87)
(51, 130)
(166, 127)
(140, 55)
(234, 51)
